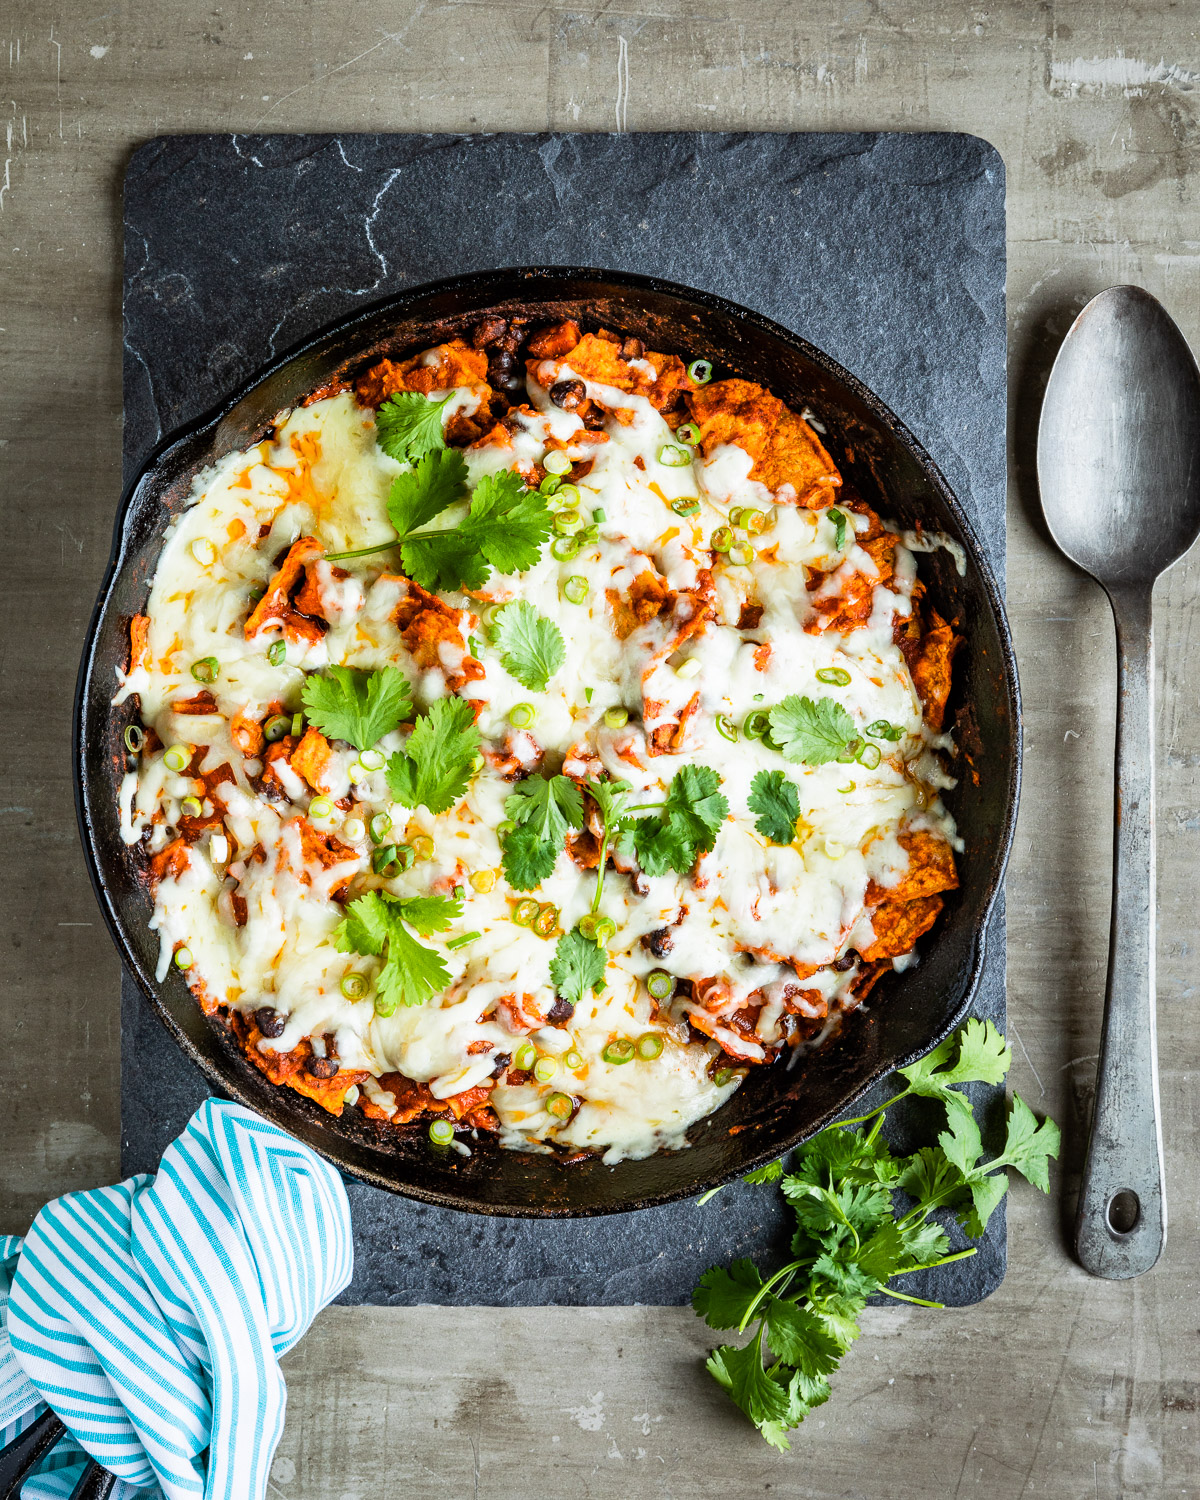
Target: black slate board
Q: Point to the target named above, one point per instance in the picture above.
(887, 251)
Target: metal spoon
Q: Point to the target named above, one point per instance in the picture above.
(1119, 471)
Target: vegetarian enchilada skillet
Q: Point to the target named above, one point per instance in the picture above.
(705, 1026)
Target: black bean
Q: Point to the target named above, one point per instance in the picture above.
(568, 394)
(659, 943)
(321, 1067)
(503, 1060)
(269, 1021)
(561, 1010)
(847, 961)
(488, 332)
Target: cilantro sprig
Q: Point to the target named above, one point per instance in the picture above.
(409, 425)
(377, 924)
(356, 706)
(437, 762)
(683, 828)
(777, 803)
(542, 810)
(852, 1239)
(578, 966)
(531, 647)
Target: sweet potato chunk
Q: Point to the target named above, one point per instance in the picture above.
(455, 364)
(785, 449)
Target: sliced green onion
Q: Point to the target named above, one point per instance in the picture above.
(564, 548)
(135, 738)
(561, 1106)
(176, 757)
(598, 515)
(589, 535)
(568, 495)
(356, 773)
(556, 462)
(192, 807)
(550, 485)
(721, 539)
(756, 723)
(422, 847)
(725, 1075)
(726, 728)
(882, 730)
(183, 958)
(441, 1132)
(297, 724)
(660, 984)
(686, 505)
(545, 924)
(849, 787)
(649, 1046)
(320, 807)
(276, 727)
(575, 590)
(688, 667)
(379, 827)
(525, 1056)
(204, 552)
(206, 669)
(353, 986)
(573, 1059)
(870, 756)
(545, 1068)
(674, 455)
(483, 880)
(605, 931)
(742, 555)
(459, 892)
(587, 694)
(462, 940)
(525, 911)
(504, 828)
(277, 653)
(383, 858)
(385, 1007)
(619, 1050)
(372, 760)
(587, 926)
(522, 715)
(568, 522)
(474, 647)
(839, 525)
(754, 522)
(616, 717)
(701, 371)
(354, 830)
(689, 433)
(838, 676)
(736, 514)
(850, 751)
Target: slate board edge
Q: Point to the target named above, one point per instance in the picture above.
(841, 146)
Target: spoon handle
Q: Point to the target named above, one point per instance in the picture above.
(1122, 1215)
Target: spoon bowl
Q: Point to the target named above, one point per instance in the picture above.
(1119, 472)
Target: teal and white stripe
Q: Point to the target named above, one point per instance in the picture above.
(151, 1315)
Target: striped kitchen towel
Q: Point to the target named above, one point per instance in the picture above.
(151, 1315)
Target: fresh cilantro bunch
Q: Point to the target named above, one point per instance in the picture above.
(505, 526)
(438, 759)
(685, 826)
(852, 1238)
(378, 924)
(531, 647)
(356, 706)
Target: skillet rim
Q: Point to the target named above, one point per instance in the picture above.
(543, 280)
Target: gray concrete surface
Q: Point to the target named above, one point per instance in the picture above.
(1057, 1386)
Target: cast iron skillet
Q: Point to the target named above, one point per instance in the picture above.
(775, 1108)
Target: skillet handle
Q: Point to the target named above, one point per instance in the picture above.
(25, 1452)
(1121, 1222)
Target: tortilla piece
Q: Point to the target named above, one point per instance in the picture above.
(785, 449)
(139, 642)
(930, 870)
(598, 357)
(455, 364)
(556, 341)
(851, 606)
(276, 607)
(931, 668)
(289, 1068)
(649, 595)
(309, 600)
(898, 924)
(311, 758)
(432, 633)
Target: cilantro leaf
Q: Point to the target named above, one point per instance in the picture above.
(578, 965)
(685, 828)
(1028, 1145)
(505, 529)
(543, 809)
(531, 647)
(409, 425)
(985, 1194)
(436, 482)
(411, 972)
(798, 1336)
(437, 761)
(356, 706)
(741, 1372)
(723, 1297)
(811, 733)
(771, 1171)
(983, 1056)
(775, 799)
